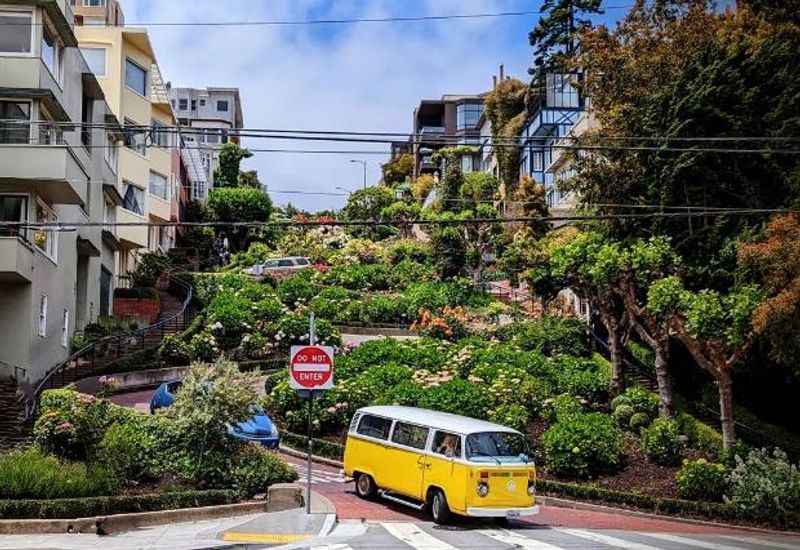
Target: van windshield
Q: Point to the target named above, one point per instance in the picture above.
(497, 447)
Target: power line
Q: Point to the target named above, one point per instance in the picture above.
(343, 21)
(66, 226)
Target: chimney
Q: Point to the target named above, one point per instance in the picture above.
(502, 72)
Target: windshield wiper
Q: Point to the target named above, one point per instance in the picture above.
(481, 453)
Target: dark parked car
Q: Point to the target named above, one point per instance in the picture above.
(258, 429)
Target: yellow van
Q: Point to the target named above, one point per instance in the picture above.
(445, 462)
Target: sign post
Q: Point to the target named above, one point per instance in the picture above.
(310, 373)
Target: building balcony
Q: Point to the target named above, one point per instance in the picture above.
(16, 260)
(131, 236)
(54, 171)
(159, 208)
(432, 130)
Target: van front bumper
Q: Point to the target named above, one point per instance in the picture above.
(502, 512)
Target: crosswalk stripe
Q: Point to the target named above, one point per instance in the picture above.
(332, 547)
(606, 539)
(764, 542)
(516, 540)
(692, 542)
(415, 537)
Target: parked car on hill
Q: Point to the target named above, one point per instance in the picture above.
(258, 429)
(279, 267)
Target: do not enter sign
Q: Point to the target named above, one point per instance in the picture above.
(311, 368)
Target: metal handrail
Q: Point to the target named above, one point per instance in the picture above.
(91, 348)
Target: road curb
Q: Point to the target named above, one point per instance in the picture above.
(557, 502)
(314, 458)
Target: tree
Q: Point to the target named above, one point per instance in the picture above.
(774, 262)
(242, 204)
(249, 179)
(230, 159)
(401, 213)
(532, 198)
(505, 109)
(448, 191)
(398, 169)
(448, 243)
(555, 36)
(588, 264)
(715, 328)
(366, 205)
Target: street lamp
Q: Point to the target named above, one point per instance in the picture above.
(364, 164)
(348, 191)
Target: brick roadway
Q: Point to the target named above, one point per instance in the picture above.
(350, 506)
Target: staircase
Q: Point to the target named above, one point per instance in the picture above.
(13, 425)
(98, 358)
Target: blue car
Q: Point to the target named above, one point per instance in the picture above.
(259, 429)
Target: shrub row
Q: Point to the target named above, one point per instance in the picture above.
(665, 506)
(320, 447)
(100, 506)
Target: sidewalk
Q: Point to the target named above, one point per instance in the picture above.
(264, 528)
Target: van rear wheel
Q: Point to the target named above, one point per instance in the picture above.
(439, 508)
(365, 486)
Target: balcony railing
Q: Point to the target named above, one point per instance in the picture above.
(431, 130)
(19, 133)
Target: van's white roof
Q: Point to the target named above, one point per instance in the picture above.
(437, 420)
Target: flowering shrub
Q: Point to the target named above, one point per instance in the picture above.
(622, 414)
(298, 289)
(582, 445)
(107, 385)
(70, 424)
(409, 272)
(204, 346)
(355, 276)
(357, 251)
(512, 415)
(174, 351)
(457, 396)
(130, 451)
(549, 336)
(765, 485)
(701, 480)
(230, 316)
(409, 250)
(332, 303)
(562, 407)
(439, 294)
(208, 286)
(384, 309)
(255, 346)
(586, 378)
(639, 399)
(292, 330)
(662, 441)
(638, 421)
(450, 324)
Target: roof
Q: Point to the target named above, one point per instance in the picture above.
(437, 420)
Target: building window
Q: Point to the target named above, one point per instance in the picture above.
(222, 106)
(172, 102)
(96, 60)
(160, 134)
(87, 116)
(52, 52)
(17, 35)
(202, 102)
(13, 208)
(13, 132)
(94, 3)
(183, 104)
(194, 105)
(212, 137)
(159, 186)
(46, 238)
(467, 115)
(133, 200)
(43, 316)
(561, 92)
(49, 132)
(65, 329)
(134, 137)
(112, 153)
(537, 160)
(135, 78)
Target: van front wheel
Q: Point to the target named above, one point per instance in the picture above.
(365, 486)
(439, 508)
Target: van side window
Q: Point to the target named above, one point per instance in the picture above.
(410, 435)
(285, 263)
(354, 422)
(447, 444)
(374, 426)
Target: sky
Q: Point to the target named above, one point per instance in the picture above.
(357, 77)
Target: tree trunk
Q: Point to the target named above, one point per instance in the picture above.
(666, 402)
(615, 351)
(725, 386)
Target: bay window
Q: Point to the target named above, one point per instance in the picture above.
(96, 60)
(17, 35)
(159, 186)
(13, 208)
(13, 131)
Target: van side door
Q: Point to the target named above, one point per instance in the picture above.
(446, 469)
(406, 454)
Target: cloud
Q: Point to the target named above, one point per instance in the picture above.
(344, 77)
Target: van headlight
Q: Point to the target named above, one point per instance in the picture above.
(483, 489)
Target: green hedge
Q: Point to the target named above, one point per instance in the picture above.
(667, 506)
(321, 447)
(73, 508)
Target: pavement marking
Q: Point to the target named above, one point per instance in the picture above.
(606, 539)
(764, 542)
(317, 476)
(332, 547)
(692, 542)
(263, 538)
(516, 540)
(415, 537)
